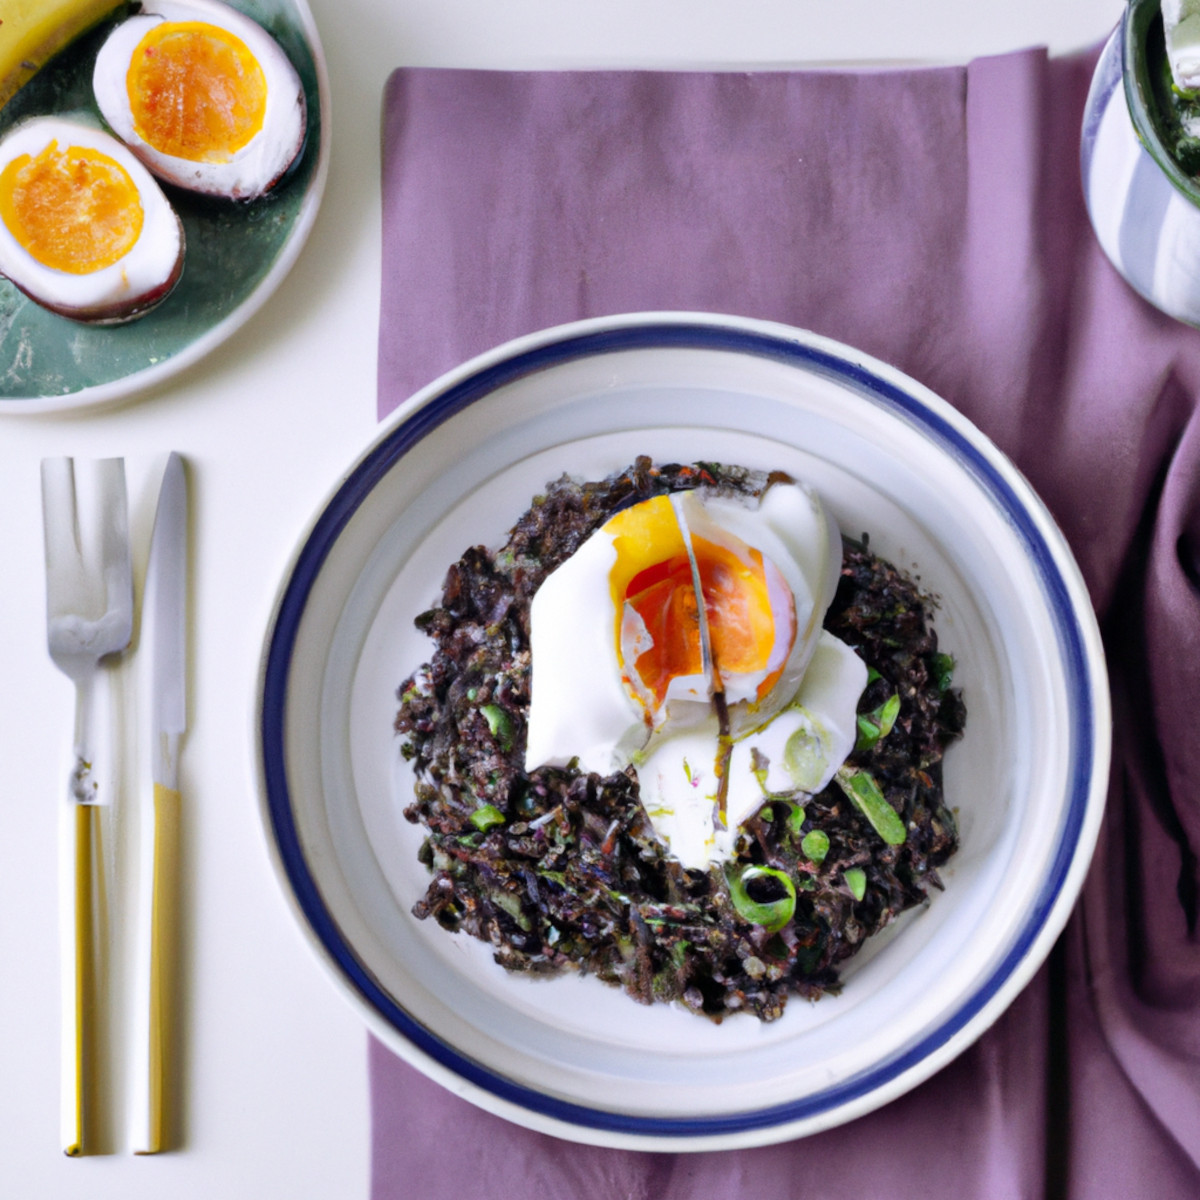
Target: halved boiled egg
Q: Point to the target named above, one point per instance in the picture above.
(204, 96)
(685, 637)
(84, 229)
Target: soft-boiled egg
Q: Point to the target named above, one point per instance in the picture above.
(684, 637)
(84, 229)
(204, 96)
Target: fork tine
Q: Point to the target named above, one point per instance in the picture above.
(60, 523)
(88, 555)
(115, 554)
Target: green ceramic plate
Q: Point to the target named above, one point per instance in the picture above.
(237, 254)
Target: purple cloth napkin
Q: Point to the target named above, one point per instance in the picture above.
(932, 218)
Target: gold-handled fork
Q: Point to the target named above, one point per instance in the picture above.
(89, 616)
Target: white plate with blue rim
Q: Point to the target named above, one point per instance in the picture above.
(454, 467)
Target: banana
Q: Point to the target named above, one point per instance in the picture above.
(33, 31)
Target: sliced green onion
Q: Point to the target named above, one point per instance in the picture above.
(770, 914)
(499, 724)
(511, 904)
(877, 724)
(815, 845)
(795, 819)
(856, 881)
(943, 671)
(862, 789)
(486, 816)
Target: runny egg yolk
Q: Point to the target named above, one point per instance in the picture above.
(196, 91)
(75, 209)
(750, 626)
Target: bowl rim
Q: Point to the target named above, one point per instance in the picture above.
(1078, 633)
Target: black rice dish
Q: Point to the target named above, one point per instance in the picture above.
(560, 870)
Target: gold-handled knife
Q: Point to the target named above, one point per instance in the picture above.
(165, 607)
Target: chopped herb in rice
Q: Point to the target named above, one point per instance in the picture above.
(559, 870)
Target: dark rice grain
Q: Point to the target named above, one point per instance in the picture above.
(558, 870)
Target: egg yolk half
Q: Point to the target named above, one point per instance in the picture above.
(195, 91)
(75, 209)
(653, 577)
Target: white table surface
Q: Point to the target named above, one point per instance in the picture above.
(275, 1058)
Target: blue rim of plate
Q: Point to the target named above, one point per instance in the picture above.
(966, 449)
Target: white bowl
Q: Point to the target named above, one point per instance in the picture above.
(455, 466)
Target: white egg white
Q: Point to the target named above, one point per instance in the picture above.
(803, 728)
(580, 707)
(127, 288)
(250, 171)
(800, 749)
(678, 785)
(795, 753)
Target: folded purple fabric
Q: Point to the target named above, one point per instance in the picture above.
(934, 219)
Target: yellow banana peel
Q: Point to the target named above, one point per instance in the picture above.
(32, 32)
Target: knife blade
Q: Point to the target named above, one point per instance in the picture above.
(166, 591)
(155, 1078)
